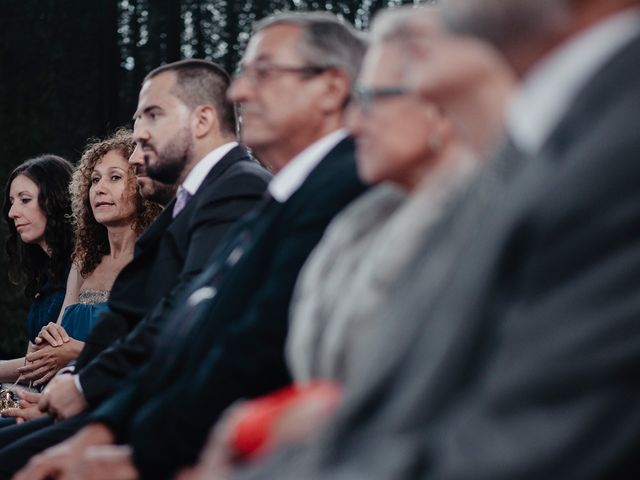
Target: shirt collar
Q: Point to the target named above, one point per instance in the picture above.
(547, 92)
(293, 175)
(201, 169)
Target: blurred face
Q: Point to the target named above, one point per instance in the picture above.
(278, 94)
(149, 189)
(113, 192)
(503, 22)
(466, 77)
(29, 219)
(393, 131)
(162, 128)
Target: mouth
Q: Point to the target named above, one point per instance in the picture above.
(103, 204)
(21, 225)
(139, 170)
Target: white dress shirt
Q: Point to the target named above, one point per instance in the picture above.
(201, 169)
(552, 85)
(289, 179)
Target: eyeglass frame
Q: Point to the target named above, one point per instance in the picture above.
(261, 72)
(365, 97)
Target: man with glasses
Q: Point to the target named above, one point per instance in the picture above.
(225, 337)
(512, 348)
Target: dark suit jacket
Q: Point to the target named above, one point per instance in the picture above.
(235, 340)
(522, 360)
(168, 251)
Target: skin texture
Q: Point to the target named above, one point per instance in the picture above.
(165, 147)
(55, 462)
(149, 188)
(109, 195)
(400, 138)
(276, 124)
(25, 211)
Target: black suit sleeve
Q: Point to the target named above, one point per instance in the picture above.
(559, 396)
(235, 197)
(211, 221)
(247, 360)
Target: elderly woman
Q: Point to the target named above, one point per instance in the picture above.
(109, 215)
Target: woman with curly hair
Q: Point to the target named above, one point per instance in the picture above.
(109, 215)
(37, 211)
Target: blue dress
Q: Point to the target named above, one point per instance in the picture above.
(78, 319)
(45, 308)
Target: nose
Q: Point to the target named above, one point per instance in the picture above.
(99, 188)
(140, 132)
(137, 158)
(13, 211)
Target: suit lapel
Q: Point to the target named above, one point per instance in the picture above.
(234, 155)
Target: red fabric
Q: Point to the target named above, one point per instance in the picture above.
(256, 419)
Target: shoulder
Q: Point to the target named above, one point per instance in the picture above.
(242, 176)
(332, 184)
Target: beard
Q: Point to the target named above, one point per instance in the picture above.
(505, 22)
(171, 160)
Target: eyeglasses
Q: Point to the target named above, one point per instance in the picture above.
(365, 97)
(264, 71)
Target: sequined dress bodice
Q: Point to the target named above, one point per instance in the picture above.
(79, 318)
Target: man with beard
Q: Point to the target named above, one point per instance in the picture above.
(225, 337)
(150, 189)
(185, 128)
(511, 349)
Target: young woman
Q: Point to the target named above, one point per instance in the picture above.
(108, 215)
(37, 209)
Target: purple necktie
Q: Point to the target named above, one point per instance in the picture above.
(182, 198)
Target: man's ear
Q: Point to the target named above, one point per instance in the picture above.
(337, 89)
(204, 120)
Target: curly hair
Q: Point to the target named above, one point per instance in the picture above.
(92, 242)
(29, 265)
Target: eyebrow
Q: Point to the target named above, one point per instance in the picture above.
(109, 169)
(137, 114)
(21, 193)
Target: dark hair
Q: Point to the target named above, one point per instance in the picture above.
(92, 242)
(29, 265)
(201, 82)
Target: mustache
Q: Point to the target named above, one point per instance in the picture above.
(140, 170)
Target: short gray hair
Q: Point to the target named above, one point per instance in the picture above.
(401, 24)
(327, 40)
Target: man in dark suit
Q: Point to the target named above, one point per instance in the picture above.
(224, 339)
(184, 126)
(512, 349)
(188, 137)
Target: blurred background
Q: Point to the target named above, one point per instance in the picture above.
(71, 70)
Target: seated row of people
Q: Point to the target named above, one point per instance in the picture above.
(472, 318)
(79, 228)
